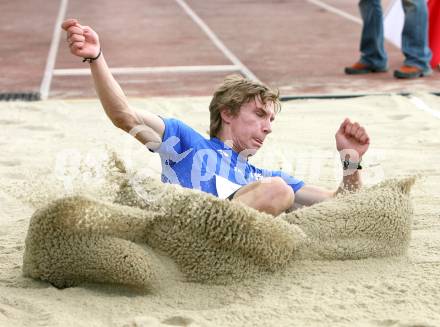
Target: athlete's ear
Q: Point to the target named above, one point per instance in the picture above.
(226, 115)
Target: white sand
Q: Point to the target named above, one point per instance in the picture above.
(42, 144)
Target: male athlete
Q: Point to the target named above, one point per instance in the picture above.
(241, 114)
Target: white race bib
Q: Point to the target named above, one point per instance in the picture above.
(225, 187)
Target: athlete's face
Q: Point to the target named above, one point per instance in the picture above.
(251, 126)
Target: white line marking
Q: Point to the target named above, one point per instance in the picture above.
(219, 44)
(336, 11)
(50, 63)
(149, 70)
(420, 104)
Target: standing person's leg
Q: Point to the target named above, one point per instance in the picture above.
(372, 40)
(415, 40)
(373, 55)
(271, 195)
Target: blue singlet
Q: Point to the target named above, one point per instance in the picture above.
(208, 165)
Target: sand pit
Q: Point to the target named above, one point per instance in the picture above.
(57, 148)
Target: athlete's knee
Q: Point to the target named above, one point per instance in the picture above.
(278, 193)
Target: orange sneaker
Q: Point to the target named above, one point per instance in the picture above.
(411, 72)
(360, 68)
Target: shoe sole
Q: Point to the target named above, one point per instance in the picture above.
(399, 74)
(351, 71)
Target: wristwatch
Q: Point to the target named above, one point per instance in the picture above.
(347, 164)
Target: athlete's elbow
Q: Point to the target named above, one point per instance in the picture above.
(123, 122)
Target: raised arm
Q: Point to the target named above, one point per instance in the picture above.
(352, 141)
(147, 127)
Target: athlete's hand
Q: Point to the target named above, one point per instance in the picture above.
(352, 136)
(82, 40)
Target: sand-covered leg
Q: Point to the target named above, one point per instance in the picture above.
(373, 222)
(77, 239)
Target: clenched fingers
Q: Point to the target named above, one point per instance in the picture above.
(359, 132)
(75, 38)
(74, 30)
(362, 136)
(356, 131)
(74, 48)
(68, 23)
(364, 139)
(351, 129)
(344, 124)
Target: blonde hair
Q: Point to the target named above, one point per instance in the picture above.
(235, 91)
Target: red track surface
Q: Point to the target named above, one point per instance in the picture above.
(293, 45)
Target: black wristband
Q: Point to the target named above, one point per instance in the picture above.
(90, 60)
(347, 164)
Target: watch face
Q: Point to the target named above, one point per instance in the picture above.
(347, 164)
